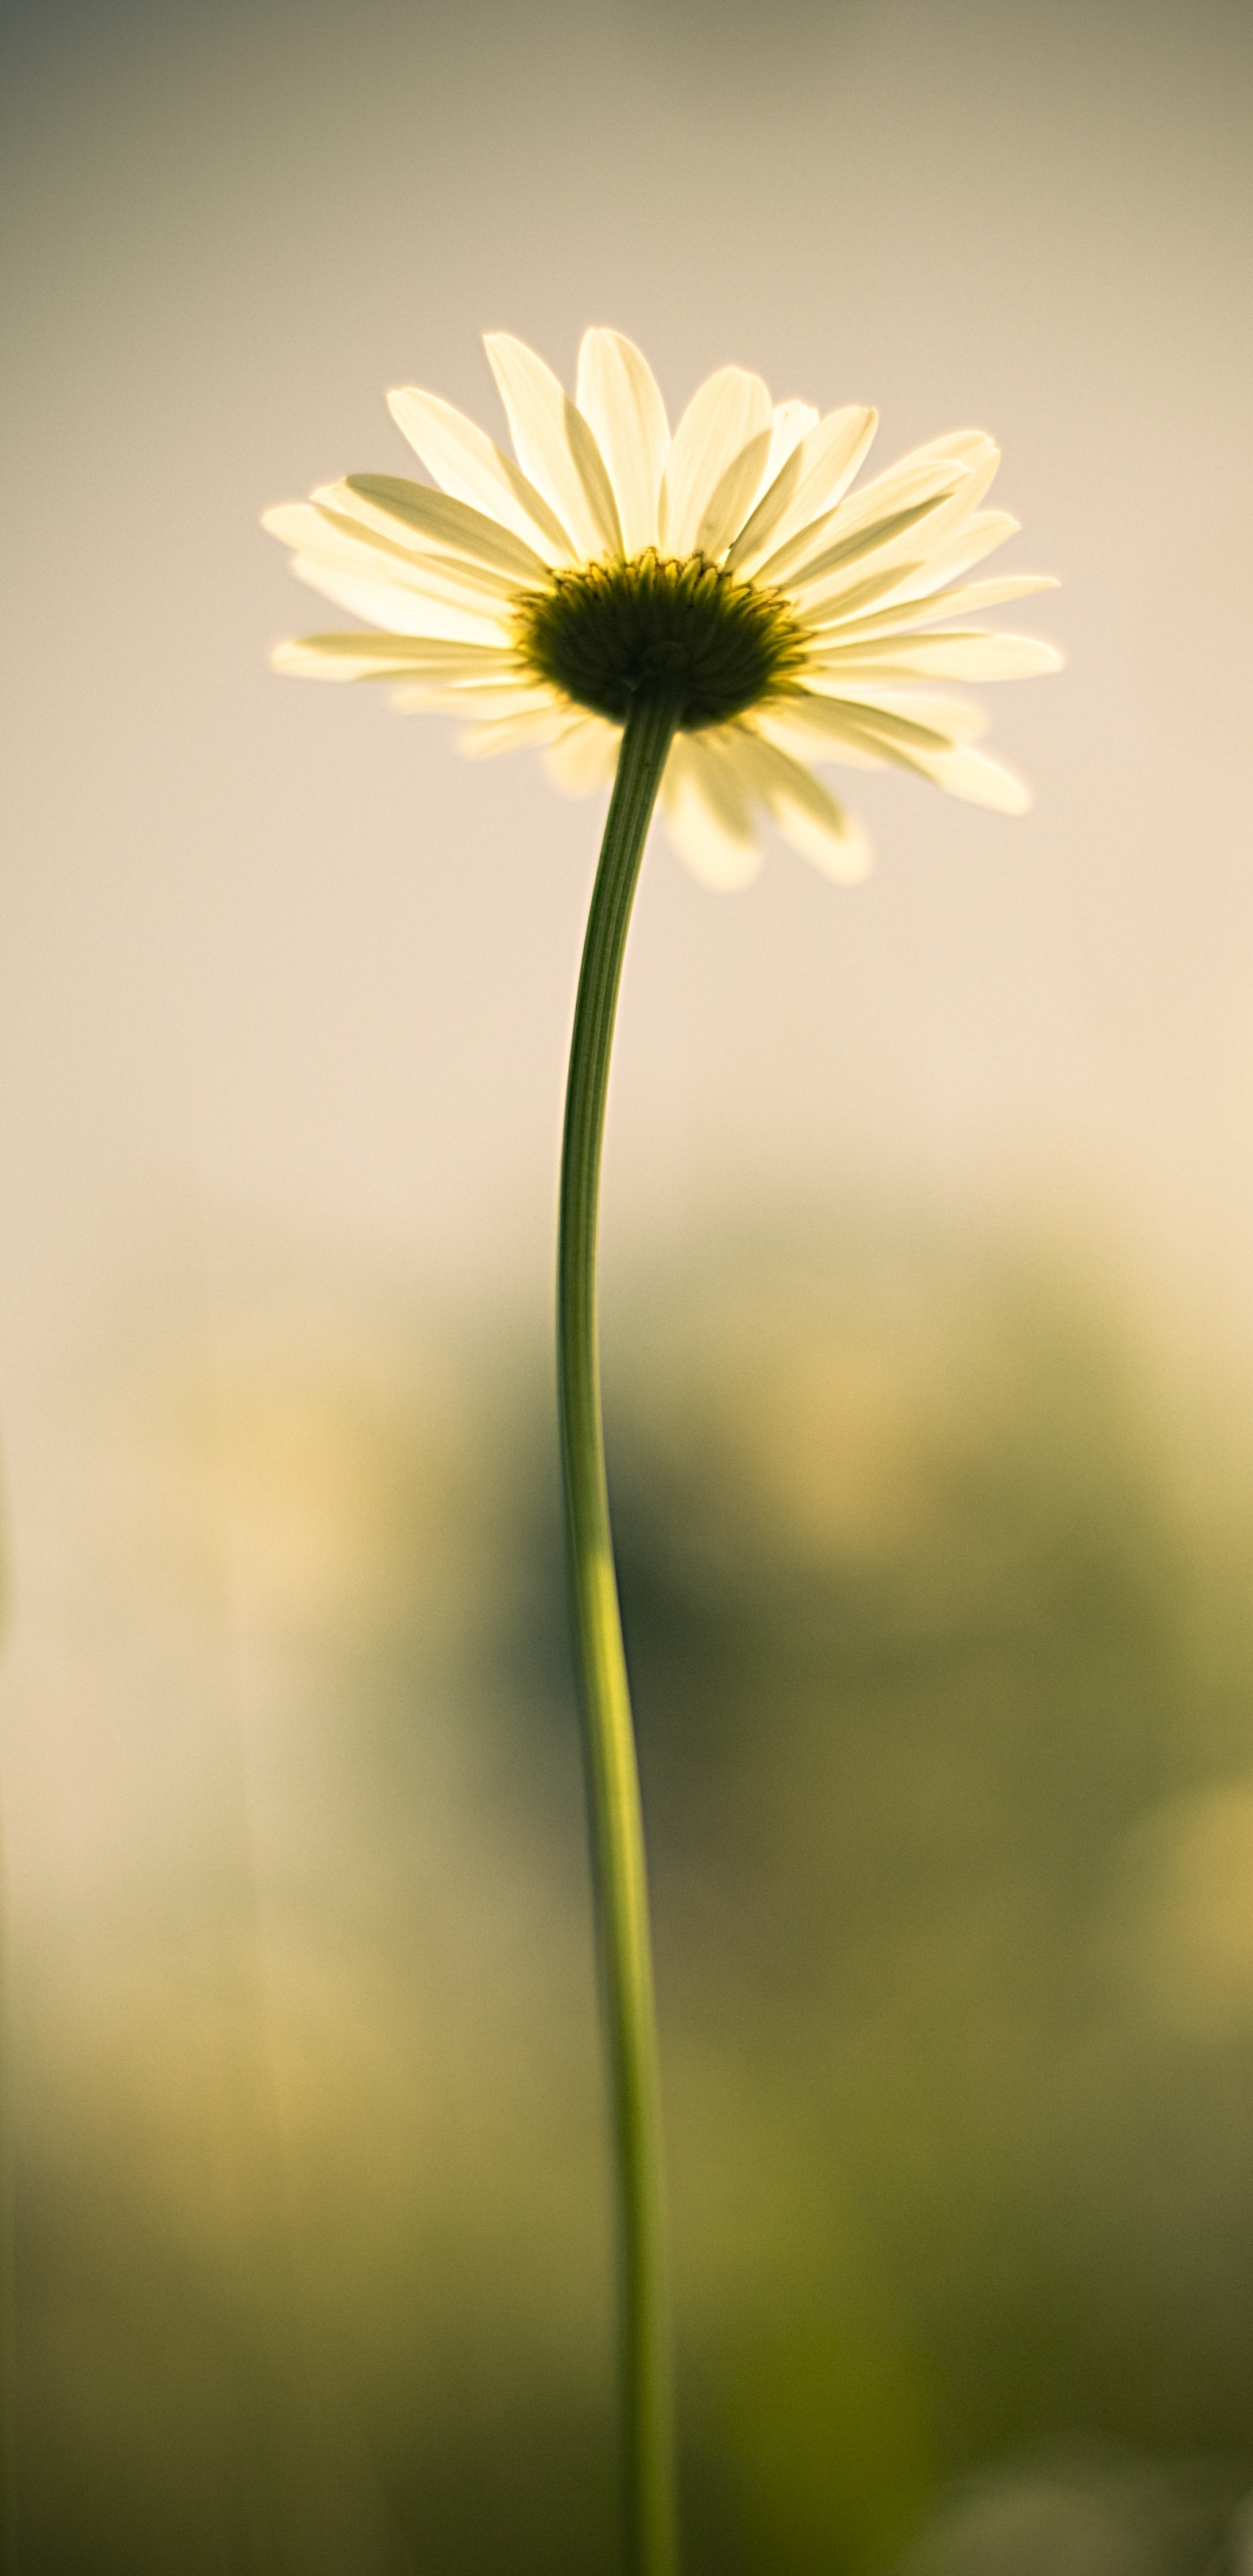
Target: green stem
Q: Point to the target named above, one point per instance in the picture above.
(615, 1822)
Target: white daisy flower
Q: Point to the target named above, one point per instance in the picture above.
(730, 569)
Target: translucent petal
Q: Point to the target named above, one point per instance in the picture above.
(977, 778)
(792, 422)
(724, 512)
(484, 699)
(469, 465)
(971, 656)
(950, 526)
(584, 757)
(708, 816)
(619, 397)
(814, 727)
(810, 732)
(884, 510)
(914, 721)
(858, 590)
(921, 713)
(509, 733)
(978, 536)
(879, 541)
(912, 744)
(981, 473)
(970, 449)
(327, 536)
(800, 807)
(728, 410)
(370, 657)
(555, 446)
(400, 608)
(809, 484)
(401, 509)
(905, 616)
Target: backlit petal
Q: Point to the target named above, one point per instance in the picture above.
(727, 411)
(555, 446)
(800, 807)
(469, 465)
(328, 536)
(510, 733)
(878, 516)
(619, 397)
(807, 484)
(375, 657)
(584, 757)
(401, 510)
(905, 615)
(708, 816)
(911, 744)
(733, 495)
(972, 656)
(399, 607)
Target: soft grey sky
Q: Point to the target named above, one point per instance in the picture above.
(274, 954)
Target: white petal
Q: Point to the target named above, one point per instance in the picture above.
(371, 657)
(584, 757)
(555, 446)
(977, 537)
(401, 510)
(814, 727)
(972, 448)
(858, 590)
(911, 744)
(881, 542)
(985, 594)
(977, 778)
(708, 816)
(619, 397)
(904, 616)
(469, 465)
(728, 410)
(808, 485)
(973, 656)
(890, 719)
(486, 700)
(981, 458)
(792, 422)
(808, 730)
(898, 575)
(952, 719)
(735, 491)
(953, 552)
(800, 807)
(400, 608)
(903, 483)
(348, 545)
(510, 733)
(880, 514)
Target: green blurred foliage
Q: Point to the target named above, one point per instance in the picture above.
(934, 1582)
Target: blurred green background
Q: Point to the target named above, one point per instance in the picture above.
(928, 1275)
(935, 1582)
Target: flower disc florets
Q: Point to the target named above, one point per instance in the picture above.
(679, 631)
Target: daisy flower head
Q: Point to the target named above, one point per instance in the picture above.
(730, 572)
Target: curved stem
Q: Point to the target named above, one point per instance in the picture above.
(613, 1793)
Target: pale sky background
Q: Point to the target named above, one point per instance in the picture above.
(280, 971)
(275, 955)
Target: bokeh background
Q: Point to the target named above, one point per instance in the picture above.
(929, 1251)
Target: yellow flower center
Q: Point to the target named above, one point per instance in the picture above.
(678, 632)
